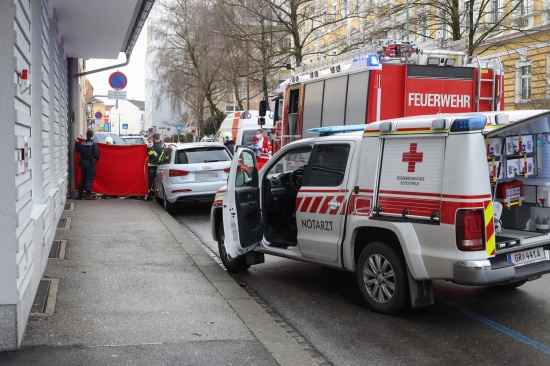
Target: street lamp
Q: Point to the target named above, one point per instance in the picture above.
(119, 114)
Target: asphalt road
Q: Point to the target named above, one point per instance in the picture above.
(466, 325)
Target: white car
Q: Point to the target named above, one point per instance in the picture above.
(191, 173)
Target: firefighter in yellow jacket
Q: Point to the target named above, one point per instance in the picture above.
(156, 153)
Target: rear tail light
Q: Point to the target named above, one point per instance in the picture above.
(177, 173)
(226, 170)
(470, 229)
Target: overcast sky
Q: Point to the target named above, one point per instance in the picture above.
(134, 71)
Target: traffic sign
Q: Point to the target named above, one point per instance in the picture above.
(179, 126)
(107, 127)
(98, 115)
(118, 80)
(116, 94)
(125, 126)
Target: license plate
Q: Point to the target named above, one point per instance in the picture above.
(205, 176)
(527, 256)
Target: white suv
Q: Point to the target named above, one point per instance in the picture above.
(191, 173)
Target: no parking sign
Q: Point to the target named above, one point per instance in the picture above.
(118, 80)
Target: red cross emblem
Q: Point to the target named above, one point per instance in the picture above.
(412, 157)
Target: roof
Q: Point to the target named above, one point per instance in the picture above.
(423, 124)
(100, 28)
(138, 103)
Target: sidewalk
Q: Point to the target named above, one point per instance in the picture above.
(135, 288)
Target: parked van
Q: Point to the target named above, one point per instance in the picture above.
(243, 126)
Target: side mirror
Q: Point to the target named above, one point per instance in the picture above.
(263, 108)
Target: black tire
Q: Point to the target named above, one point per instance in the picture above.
(159, 199)
(232, 264)
(509, 286)
(169, 207)
(382, 279)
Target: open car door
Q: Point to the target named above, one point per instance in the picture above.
(242, 219)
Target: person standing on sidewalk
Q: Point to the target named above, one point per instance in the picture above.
(89, 156)
(156, 153)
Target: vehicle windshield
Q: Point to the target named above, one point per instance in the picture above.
(133, 140)
(201, 155)
(101, 136)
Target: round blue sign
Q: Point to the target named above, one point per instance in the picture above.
(98, 115)
(118, 80)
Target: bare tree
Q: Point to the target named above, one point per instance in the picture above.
(259, 57)
(479, 22)
(506, 26)
(188, 53)
(300, 22)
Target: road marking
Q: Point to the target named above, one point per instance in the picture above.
(501, 328)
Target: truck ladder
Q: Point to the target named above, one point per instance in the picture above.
(496, 66)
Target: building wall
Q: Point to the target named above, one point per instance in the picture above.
(129, 114)
(34, 188)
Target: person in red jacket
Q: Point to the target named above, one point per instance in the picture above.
(261, 144)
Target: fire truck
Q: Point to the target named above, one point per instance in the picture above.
(389, 79)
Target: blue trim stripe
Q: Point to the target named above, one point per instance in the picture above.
(501, 328)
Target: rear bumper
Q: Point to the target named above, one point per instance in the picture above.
(195, 198)
(496, 271)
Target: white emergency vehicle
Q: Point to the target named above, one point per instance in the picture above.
(401, 202)
(243, 125)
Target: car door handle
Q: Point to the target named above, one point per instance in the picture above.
(333, 204)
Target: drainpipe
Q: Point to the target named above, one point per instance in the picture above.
(71, 127)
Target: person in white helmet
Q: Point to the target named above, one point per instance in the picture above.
(228, 142)
(109, 140)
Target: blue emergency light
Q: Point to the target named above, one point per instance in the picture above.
(473, 123)
(334, 129)
(372, 59)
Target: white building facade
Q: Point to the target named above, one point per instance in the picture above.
(131, 114)
(42, 44)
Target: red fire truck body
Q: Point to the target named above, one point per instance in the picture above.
(391, 80)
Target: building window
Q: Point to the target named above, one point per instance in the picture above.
(494, 12)
(524, 76)
(424, 29)
(523, 8)
(230, 106)
(467, 16)
(344, 8)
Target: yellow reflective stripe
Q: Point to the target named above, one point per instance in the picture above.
(219, 197)
(153, 152)
(490, 230)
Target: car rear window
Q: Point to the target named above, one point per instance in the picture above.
(200, 155)
(133, 140)
(101, 136)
